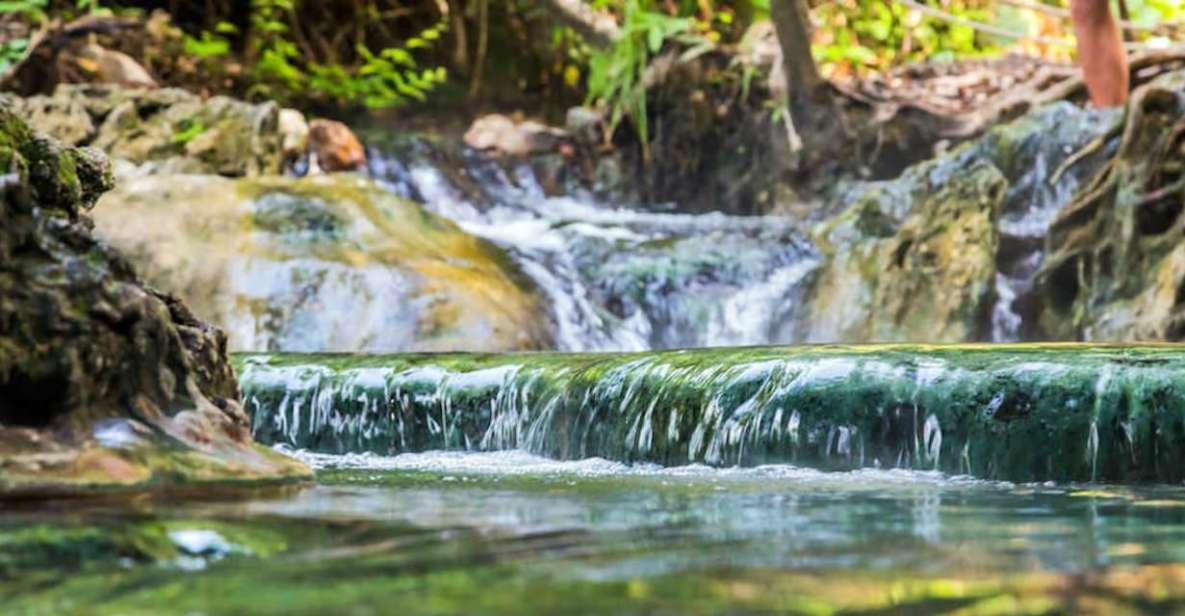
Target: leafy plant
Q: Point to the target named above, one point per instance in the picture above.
(617, 74)
(389, 78)
(857, 36)
(190, 128)
(13, 49)
(211, 45)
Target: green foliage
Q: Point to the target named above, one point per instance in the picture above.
(211, 45)
(389, 78)
(13, 49)
(190, 128)
(858, 35)
(616, 77)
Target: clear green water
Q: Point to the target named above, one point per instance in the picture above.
(511, 533)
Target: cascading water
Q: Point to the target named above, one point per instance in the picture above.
(1022, 412)
(1048, 168)
(619, 279)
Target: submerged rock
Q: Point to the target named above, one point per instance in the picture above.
(104, 382)
(329, 263)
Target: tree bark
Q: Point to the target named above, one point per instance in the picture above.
(597, 28)
(792, 22)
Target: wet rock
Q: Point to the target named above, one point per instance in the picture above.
(1116, 268)
(334, 146)
(84, 343)
(502, 135)
(323, 263)
(1020, 413)
(912, 259)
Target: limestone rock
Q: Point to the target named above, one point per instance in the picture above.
(334, 146)
(168, 130)
(104, 383)
(912, 260)
(501, 134)
(63, 118)
(294, 135)
(113, 67)
(322, 263)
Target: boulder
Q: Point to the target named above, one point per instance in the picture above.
(334, 146)
(503, 135)
(322, 263)
(113, 67)
(104, 383)
(913, 259)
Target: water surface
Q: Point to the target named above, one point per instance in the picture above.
(513, 533)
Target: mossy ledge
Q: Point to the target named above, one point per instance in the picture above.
(105, 384)
(1030, 412)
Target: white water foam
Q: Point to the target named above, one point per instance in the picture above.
(521, 463)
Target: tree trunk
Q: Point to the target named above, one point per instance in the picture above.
(792, 21)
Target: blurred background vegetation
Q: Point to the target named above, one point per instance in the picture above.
(397, 53)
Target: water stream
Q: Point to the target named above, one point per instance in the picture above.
(616, 278)
(513, 533)
(1019, 413)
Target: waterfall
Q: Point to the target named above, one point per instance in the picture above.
(1046, 169)
(1015, 412)
(619, 279)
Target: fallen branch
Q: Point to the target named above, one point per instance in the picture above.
(594, 26)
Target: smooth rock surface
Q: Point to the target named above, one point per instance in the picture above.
(328, 263)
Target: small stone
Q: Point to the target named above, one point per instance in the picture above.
(334, 146)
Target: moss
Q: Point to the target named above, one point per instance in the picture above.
(1016, 412)
(187, 130)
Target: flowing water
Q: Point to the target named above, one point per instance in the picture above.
(621, 278)
(618, 278)
(814, 480)
(1013, 412)
(513, 533)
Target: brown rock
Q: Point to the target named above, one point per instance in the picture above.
(334, 146)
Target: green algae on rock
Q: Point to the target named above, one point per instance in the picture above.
(104, 383)
(327, 263)
(940, 253)
(1015, 412)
